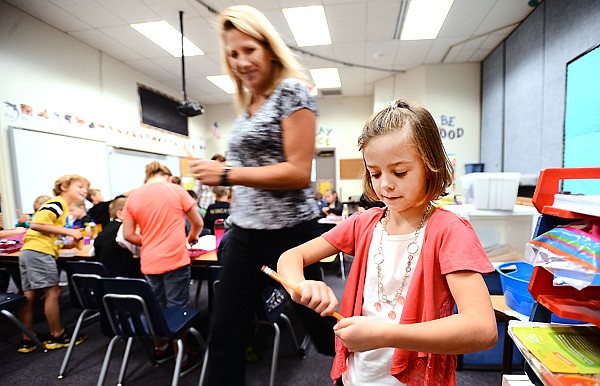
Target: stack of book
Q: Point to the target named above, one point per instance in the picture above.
(559, 354)
(584, 204)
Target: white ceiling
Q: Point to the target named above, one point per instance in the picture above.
(362, 32)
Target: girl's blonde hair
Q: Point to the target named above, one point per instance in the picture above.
(154, 168)
(39, 200)
(253, 23)
(66, 181)
(420, 128)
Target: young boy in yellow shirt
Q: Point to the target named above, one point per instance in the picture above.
(37, 260)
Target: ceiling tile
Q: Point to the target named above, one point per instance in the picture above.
(51, 14)
(347, 22)
(107, 44)
(381, 19)
(89, 12)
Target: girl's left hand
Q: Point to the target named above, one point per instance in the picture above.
(360, 333)
(207, 171)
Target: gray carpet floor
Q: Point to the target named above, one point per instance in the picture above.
(38, 368)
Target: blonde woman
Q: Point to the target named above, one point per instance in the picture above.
(270, 157)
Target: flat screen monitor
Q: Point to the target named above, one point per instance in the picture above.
(160, 111)
(582, 119)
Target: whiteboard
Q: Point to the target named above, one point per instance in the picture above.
(127, 168)
(38, 159)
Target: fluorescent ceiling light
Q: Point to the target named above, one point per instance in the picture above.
(223, 82)
(167, 37)
(326, 77)
(308, 25)
(425, 18)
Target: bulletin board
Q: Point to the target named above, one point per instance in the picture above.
(352, 169)
(39, 158)
(127, 168)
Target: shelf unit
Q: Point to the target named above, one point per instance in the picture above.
(564, 301)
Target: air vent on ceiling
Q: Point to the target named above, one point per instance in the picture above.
(400, 19)
(331, 91)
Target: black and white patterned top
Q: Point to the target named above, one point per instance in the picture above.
(258, 141)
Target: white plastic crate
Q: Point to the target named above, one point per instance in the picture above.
(491, 191)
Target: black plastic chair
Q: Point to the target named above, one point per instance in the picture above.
(10, 301)
(83, 289)
(134, 313)
(264, 316)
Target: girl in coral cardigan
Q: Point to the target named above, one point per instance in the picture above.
(412, 264)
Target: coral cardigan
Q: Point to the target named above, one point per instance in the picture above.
(450, 244)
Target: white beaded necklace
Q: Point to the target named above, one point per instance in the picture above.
(412, 249)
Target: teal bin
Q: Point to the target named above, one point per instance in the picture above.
(514, 278)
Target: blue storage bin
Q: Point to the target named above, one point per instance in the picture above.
(515, 277)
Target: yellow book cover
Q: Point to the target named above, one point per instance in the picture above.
(563, 349)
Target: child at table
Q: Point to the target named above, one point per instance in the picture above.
(118, 260)
(99, 210)
(158, 208)
(333, 204)
(219, 209)
(78, 218)
(25, 218)
(37, 260)
(412, 264)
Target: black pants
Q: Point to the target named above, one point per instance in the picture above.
(241, 283)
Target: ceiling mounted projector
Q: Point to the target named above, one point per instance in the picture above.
(187, 107)
(190, 109)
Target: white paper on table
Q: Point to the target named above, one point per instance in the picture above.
(207, 243)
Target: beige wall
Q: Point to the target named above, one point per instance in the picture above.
(48, 69)
(452, 94)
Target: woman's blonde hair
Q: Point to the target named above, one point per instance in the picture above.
(66, 181)
(420, 128)
(154, 168)
(253, 23)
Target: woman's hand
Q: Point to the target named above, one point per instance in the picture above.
(207, 172)
(315, 295)
(360, 333)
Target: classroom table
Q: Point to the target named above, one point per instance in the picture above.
(209, 258)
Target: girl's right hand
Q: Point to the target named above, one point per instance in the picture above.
(317, 296)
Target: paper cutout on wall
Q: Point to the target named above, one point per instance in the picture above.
(66, 123)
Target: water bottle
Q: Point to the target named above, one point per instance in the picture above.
(345, 211)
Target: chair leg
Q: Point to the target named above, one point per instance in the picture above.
(201, 346)
(199, 339)
(197, 297)
(204, 365)
(124, 361)
(178, 361)
(65, 362)
(300, 350)
(24, 329)
(342, 269)
(106, 361)
(276, 340)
